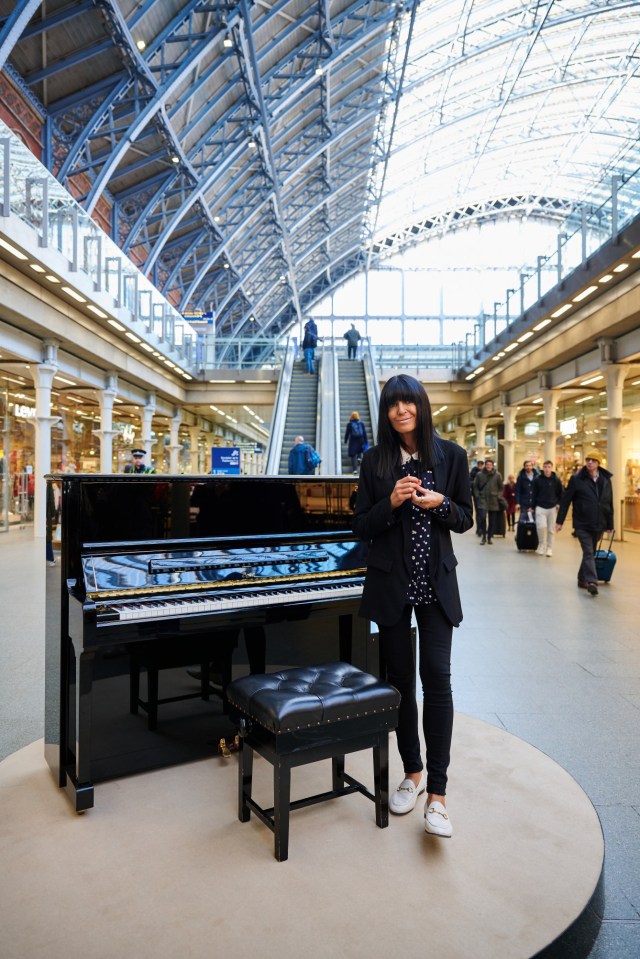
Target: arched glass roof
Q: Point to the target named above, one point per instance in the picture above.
(505, 99)
(252, 155)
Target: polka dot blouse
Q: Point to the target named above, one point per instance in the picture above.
(420, 591)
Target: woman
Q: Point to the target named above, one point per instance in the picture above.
(413, 491)
(356, 436)
(509, 494)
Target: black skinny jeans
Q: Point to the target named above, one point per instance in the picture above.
(434, 643)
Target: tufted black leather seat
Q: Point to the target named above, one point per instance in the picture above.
(304, 714)
(309, 696)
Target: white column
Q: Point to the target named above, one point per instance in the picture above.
(550, 399)
(106, 397)
(459, 434)
(194, 435)
(174, 441)
(481, 436)
(147, 419)
(615, 374)
(43, 374)
(509, 441)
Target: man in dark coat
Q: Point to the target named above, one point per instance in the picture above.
(590, 494)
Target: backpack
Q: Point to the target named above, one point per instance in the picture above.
(312, 457)
(356, 428)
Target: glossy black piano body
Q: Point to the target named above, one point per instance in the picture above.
(264, 570)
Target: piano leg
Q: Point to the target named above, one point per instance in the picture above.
(77, 750)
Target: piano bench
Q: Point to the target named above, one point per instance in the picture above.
(303, 715)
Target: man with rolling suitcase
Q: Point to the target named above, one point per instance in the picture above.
(590, 493)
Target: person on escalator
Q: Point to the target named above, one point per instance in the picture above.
(356, 436)
(303, 459)
(309, 344)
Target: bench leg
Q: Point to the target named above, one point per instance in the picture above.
(281, 798)
(337, 770)
(245, 776)
(381, 779)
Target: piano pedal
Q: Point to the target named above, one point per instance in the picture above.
(226, 746)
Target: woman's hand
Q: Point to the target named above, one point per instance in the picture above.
(426, 498)
(404, 490)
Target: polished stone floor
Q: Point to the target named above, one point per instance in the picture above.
(535, 657)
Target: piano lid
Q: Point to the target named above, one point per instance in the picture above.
(124, 575)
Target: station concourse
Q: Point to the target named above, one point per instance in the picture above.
(185, 185)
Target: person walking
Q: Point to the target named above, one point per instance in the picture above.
(487, 487)
(547, 493)
(352, 337)
(356, 436)
(524, 488)
(509, 495)
(301, 458)
(309, 344)
(480, 517)
(590, 494)
(413, 493)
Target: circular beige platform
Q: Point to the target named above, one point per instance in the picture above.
(161, 867)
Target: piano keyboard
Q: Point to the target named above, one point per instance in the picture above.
(215, 604)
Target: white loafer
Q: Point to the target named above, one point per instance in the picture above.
(436, 820)
(405, 797)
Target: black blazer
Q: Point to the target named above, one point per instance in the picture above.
(388, 533)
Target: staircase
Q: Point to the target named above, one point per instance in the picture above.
(353, 396)
(302, 410)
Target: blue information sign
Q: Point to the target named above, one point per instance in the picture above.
(225, 460)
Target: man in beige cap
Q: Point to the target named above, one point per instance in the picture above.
(591, 495)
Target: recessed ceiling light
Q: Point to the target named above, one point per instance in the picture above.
(584, 294)
(52, 279)
(73, 294)
(117, 326)
(592, 379)
(606, 278)
(561, 310)
(541, 325)
(37, 268)
(525, 336)
(510, 346)
(12, 249)
(97, 311)
(621, 267)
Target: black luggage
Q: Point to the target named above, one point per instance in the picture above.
(501, 524)
(526, 533)
(605, 560)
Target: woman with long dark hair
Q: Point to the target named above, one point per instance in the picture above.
(413, 492)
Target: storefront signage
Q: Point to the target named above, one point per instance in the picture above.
(567, 427)
(24, 412)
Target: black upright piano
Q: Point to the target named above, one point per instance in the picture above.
(238, 573)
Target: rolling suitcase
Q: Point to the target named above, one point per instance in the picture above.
(605, 560)
(526, 533)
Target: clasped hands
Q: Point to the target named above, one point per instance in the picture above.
(410, 487)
